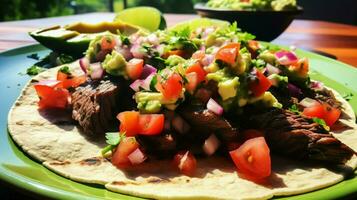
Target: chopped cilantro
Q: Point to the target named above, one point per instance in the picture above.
(153, 84)
(321, 122)
(294, 108)
(124, 39)
(34, 56)
(348, 96)
(34, 70)
(64, 58)
(112, 139)
(65, 69)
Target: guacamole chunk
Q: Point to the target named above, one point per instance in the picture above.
(276, 5)
(114, 64)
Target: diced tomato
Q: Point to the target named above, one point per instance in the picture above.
(151, 124)
(69, 80)
(260, 84)
(107, 43)
(316, 110)
(133, 123)
(228, 53)
(125, 148)
(134, 68)
(301, 67)
(52, 97)
(251, 133)
(129, 122)
(331, 114)
(185, 162)
(192, 81)
(323, 111)
(201, 73)
(43, 88)
(253, 47)
(172, 87)
(252, 159)
(199, 55)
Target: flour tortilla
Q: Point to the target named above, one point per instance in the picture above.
(54, 139)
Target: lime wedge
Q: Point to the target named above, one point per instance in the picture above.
(199, 22)
(147, 17)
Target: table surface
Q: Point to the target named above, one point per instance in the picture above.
(338, 40)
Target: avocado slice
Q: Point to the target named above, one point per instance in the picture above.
(74, 39)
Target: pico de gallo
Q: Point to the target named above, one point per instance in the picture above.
(218, 67)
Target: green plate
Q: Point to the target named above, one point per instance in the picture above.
(19, 170)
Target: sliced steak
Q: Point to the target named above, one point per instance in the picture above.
(96, 104)
(160, 146)
(293, 135)
(206, 122)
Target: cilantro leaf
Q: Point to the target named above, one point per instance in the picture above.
(34, 70)
(321, 122)
(294, 108)
(65, 69)
(348, 96)
(112, 139)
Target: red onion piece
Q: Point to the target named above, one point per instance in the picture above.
(125, 52)
(316, 85)
(153, 39)
(294, 90)
(84, 64)
(213, 106)
(147, 70)
(308, 102)
(180, 125)
(136, 85)
(136, 51)
(136, 157)
(211, 145)
(96, 71)
(286, 57)
(142, 83)
(270, 69)
(207, 60)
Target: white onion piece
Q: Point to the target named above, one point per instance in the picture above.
(273, 80)
(183, 160)
(270, 69)
(316, 85)
(213, 106)
(136, 157)
(308, 102)
(48, 82)
(211, 145)
(180, 125)
(96, 71)
(84, 64)
(153, 39)
(286, 57)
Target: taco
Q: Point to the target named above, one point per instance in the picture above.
(200, 114)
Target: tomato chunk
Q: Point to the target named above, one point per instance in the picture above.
(201, 73)
(260, 85)
(192, 81)
(134, 68)
(51, 94)
(108, 43)
(185, 162)
(151, 124)
(177, 52)
(252, 159)
(172, 87)
(323, 111)
(228, 53)
(199, 55)
(69, 81)
(125, 148)
(129, 122)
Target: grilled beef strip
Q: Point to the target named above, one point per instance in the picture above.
(96, 104)
(291, 134)
(205, 122)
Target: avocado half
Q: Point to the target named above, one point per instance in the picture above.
(74, 39)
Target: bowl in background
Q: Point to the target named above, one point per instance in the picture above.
(266, 25)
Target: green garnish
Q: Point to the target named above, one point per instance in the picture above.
(65, 69)
(294, 108)
(321, 122)
(34, 70)
(124, 39)
(348, 96)
(112, 139)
